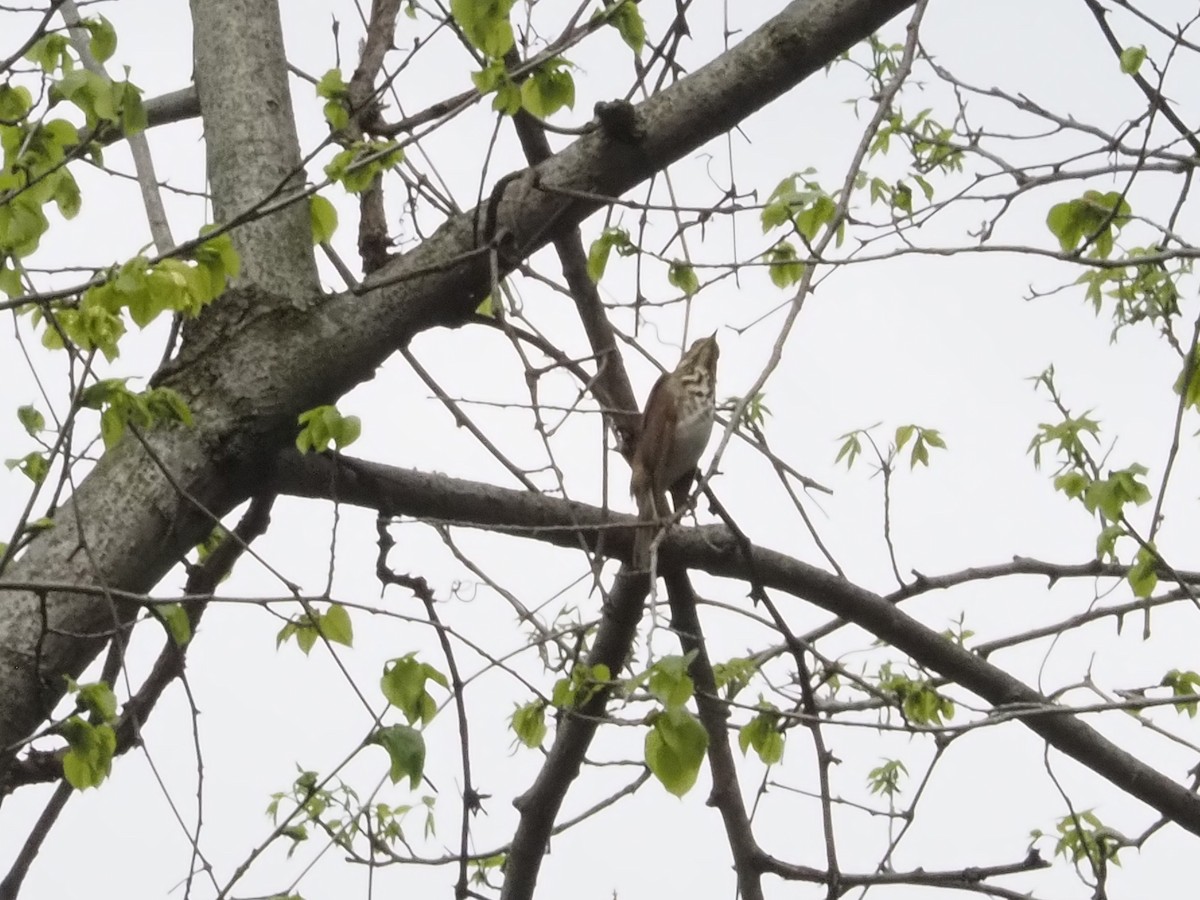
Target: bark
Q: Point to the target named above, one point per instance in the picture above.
(280, 350)
(716, 550)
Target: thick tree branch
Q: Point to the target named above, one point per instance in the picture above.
(714, 549)
(250, 136)
(144, 506)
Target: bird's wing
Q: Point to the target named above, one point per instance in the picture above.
(656, 442)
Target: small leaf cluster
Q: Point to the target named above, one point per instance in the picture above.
(324, 425)
(356, 167)
(91, 741)
(763, 734)
(754, 416)
(1183, 684)
(925, 438)
(1091, 221)
(143, 290)
(733, 675)
(898, 196)
(1078, 477)
(929, 142)
(803, 204)
(1084, 837)
(542, 92)
(548, 88)
(919, 700)
(885, 779)
(33, 174)
(485, 24)
(1142, 291)
(35, 465)
(120, 407)
(333, 624)
(334, 90)
(404, 683)
(676, 742)
(580, 686)
(784, 265)
(340, 814)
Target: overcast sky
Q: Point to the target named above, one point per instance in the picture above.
(947, 343)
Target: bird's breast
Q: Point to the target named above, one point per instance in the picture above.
(691, 437)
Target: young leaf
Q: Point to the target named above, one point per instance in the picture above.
(323, 217)
(1132, 59)
(405, 748)
(88, 760)
(403, 684)
(529, 723)
(675, 747)
(683, 276)
(175, 618)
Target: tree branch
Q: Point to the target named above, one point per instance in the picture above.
(716, 550)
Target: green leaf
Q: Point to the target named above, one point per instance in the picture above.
(49, 52)
(548, 89)
(15, 102)
(33, 466)
(762, 733)
(1111, 494)
(1187, 385)
(486, 308)
(1143, 574)
(302, 629)
(405, 748)
(529, 723)
(175, 617)
(356, 166)
(104, 38)
(485, 24)
(335, 625)
(10, 281)
(88, 760)
(96, 698)
(1132, 59)
(851, 448)
(670, 682)
(785, 268)
(403, 684)
(66, 195)
(885, 779)
(323, 218)
(323, 426)
(627, 19)
(601, 248)
(1183, 684)
(683, 276)
(332, 85)
(674, 748)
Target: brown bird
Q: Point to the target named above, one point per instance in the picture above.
(676, 425)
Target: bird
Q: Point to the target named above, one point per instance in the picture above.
(676, 425)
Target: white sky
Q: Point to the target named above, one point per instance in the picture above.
(945, 343)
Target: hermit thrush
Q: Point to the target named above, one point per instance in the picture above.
(676, 425)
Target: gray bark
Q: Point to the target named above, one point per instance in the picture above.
(154, 496)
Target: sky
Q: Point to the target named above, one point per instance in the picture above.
(946, 343)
